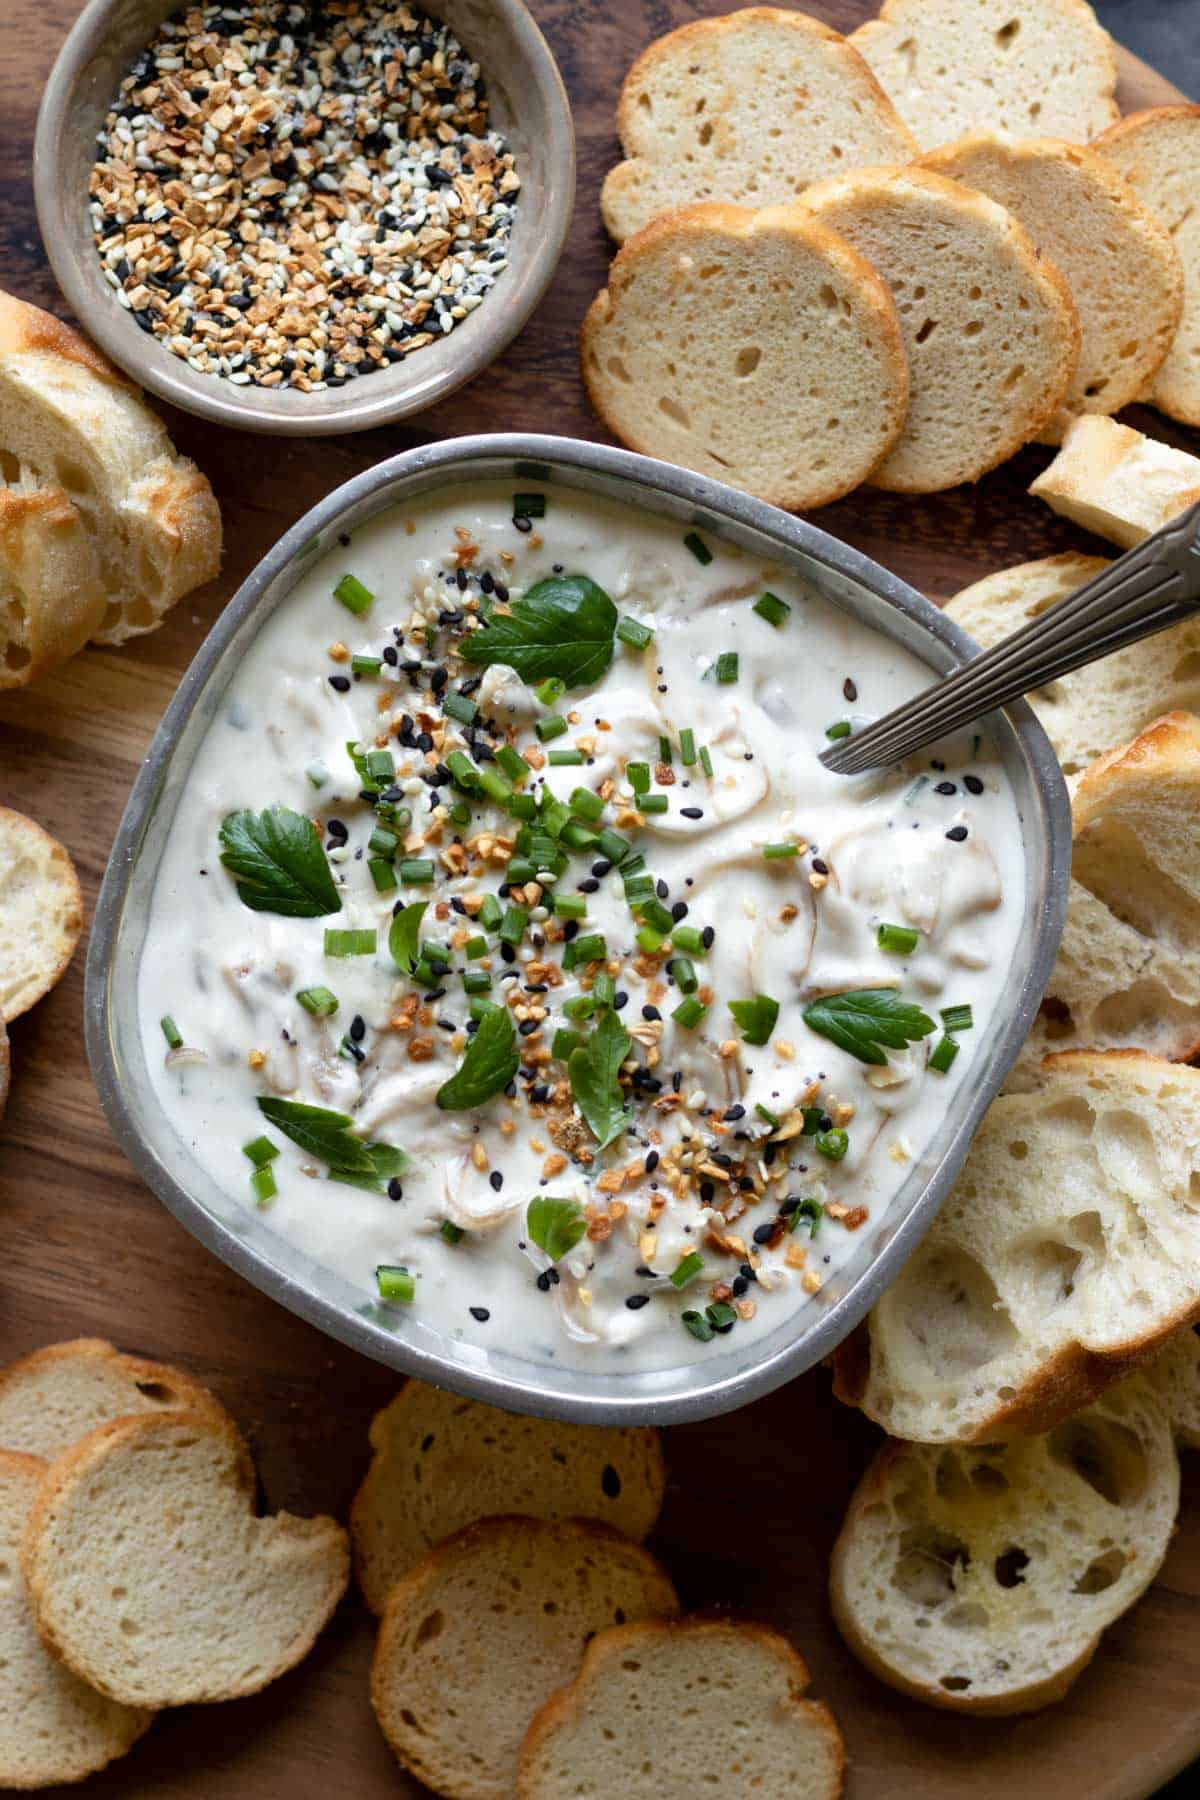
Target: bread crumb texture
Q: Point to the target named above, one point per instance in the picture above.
(41, 912)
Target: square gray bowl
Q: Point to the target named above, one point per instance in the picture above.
(529, 105)
(721, 1376)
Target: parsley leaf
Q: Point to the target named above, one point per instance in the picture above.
(862, 1020)
(327, 1136)
(555, 1226)
(279, 864)
(562, 627)
(489, 1065)
(756, 1018)
(403, 942)
(594, 1069)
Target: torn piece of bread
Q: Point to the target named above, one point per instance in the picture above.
(981, 1579)
(989, 325)
(478, 1636)
(57, 1395)
(1043, 68)
(41, 912)
(604, 1734)
(442, 1461)
(1108, 702)
(51, 593)
(1066, 1255)
(1116, 482)
(1176, 1376)
(74, 420)
(755, 347)
(53, 1727)
(153, 1580)
(1128, 968)
(1118, 261)
(749, 108)
(1158, 152)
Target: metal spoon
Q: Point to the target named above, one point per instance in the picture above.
(1154, 585)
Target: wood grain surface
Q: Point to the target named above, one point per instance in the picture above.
(755, 1499)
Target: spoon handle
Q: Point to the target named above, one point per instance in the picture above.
(1154, 585)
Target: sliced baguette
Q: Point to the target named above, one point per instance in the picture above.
(68, 415)
(981, 1580)
(51, 593)
(150, 1576)
(1176, 1376)
(604, 1735)
(1065, 1257)
(478, 1636)
(441, 1462)
(57, 1395)
(41, 912)
(53, 1727)
(1120, 264)
(989, 326)
(1116, 482)
(756, 347)
(1040, 68)
(749, 108)
(1158, 152)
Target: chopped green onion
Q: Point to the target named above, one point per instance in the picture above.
(699, 549)
(522, 806)
(699, 1326)
(649, 941)
(512, 926)
(639, 776)
(349, 943)
(720, 1315)
(581, 1006)
(460, 707)
(604, 989)
(811, 1210)
(529, 506)
(565, 759)
(898, 940)
(418, 870)
(689, 1012)
(773, 852)
(687, 747)
(706, 761)
(490, 913)
(726, 667)
(652, 803)
(263, 1185)
(765, 1113)
(687, 937)
(655, 913)
(170, 1031)
(633, 633)
(382, 871)
(476, 981)
(321, 1002)
(475, 946)
(756, 1019)
(833, 1144)
(839, 730)
(399, 817)
(576, 836)
(588, 805)
(353, 595)
(519, 870)
(365, 665)
(590, 948)
(770, 607)
(664, 751)
(395, 1282)
(552, 726)
(612, 845)
(382, 841)
(512, 763)
(570, 906)
(497, 787)
(423, 975)
(380, 766)
(812, 1120)
(944, 1054)
(463, 770)
(688, 1269)
(550, 690)
(684, 973)
(639, 888)
(452, 1233)
(957, 1018)
(564, 1042)
(260, 1150)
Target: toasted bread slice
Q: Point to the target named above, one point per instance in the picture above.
(41, 912)
(57, 1395)
(51, 593)
(53, 1727)
(1045, 68)
(152, 1579)
(1158, 152)
(1120, 264)
(989, 326)
(756, 347)
(1065, 1257)
(73, 419)
(603, 1735)
(479, 1635)
(1116, 482)
(980, 1580)
(749, 108)
(441, 1461)
(1176, 1376)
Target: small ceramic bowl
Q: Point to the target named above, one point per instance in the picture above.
(528, 105)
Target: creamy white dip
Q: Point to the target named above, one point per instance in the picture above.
(725, 1158)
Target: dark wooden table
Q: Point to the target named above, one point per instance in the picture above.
(755, 1499)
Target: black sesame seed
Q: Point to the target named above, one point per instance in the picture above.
(651, 1012)
(497, 1180)
(736, 1111)
(707, 937)
(635, 1302)
(972, 784)
(527, 1027)
(945, 787)
(358, 1028)
(341, 683)
(543, 1281)
(820, 867)
(652, 1161)
(481, 1313)
(764, 1233)
(394, 1188)
(692, 812)
(588, 885)
(679, 910)
(601, 868)
(849, 689)
(957, 833)
(661, 889)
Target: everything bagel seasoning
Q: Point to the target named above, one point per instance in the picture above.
(292, 195)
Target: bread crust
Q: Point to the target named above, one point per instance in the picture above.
(24, 327)
(18, 994)
(53, 573)
(180, 1391)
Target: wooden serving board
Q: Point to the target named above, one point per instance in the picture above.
(756, 1499)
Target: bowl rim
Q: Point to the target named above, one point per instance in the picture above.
(548, 1390)
(152, 367)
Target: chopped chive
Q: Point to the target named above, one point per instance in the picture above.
(957, 1018)
(612, 845)
(726, 667)
(452, 1233)
(706, 761)
(383, 842)
(423, 975)
(490, 913)
(565, 759)
(382, 871)
(550, 727)
(604, 989)
(476, 981)
(756, 1019)
(897, 940)
(474, 947)
(353, 595)
(720, 1315)
(550, 690)
(687, 747)
(688, 1269)
(653, 912)
(664, 751)
(519, 870)
(765, 1113)
(633, 633)
(588, 805)
(564, 1042)
(772, 852)
(812, 1120)
(770, 607)
(839, 730)
(809, 1210)
(512, 763)
(590, 948)
(652, 803)
(570, 906)
(639, 888)
(398, 817)
(581, 1006)
(684, 972)
(497, 787)
(699, 1326)
(463, 770)
(833, 1144)
(649, 941)
(394, 1282)
(417, 869)
(687, 937)
(321, 1002)
(460, 707)
(638, 774)
(349, 943)
(380, 766)
(522, 806)
(263, 1185)
(365, 665)
(512, 926)
(460, 813)
(944, 1054)
(171, 1032)
(260, 1150)
(699, 549)
(689, 1012)
(529, 506)
(576, 836)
